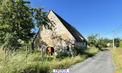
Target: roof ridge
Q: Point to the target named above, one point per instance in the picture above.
(77, 35)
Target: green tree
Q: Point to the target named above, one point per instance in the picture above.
(99, 43)
(102, 42)
(92, 39)
(41, 19)
(16, 22)
(117, 41)
(17, 19)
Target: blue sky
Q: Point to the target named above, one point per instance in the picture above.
(88, 16)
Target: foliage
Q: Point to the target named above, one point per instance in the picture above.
(117, 41)
(92, 39)
(89, 51)
(117, 56)
(33, 63)
(16, 22)
(103, 42)
(99, 43)
(17, 19)
(40, 17)
(120, 44)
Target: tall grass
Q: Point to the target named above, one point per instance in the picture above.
(33, 63)
(117, 56)
(120, 44)
(2, 54)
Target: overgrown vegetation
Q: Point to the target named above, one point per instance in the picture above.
(117, 56)
(32, 63)
(120, 44)
(17, 20)
(95, 40)
(117, 42)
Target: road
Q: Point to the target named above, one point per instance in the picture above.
(100, 63)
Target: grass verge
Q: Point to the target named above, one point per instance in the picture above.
(21, 63)
(117, 56)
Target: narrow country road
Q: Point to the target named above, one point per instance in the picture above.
(100, 63)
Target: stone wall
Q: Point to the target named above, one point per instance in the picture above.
(81, 45)
(59, 37)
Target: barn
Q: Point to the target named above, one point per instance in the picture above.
(62, 37)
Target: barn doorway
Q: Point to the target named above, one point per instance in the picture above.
(50, 50)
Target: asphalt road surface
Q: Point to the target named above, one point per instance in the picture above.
(100, 63)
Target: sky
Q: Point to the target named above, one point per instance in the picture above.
(88, 16)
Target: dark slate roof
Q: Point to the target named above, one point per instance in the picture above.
(71, 29)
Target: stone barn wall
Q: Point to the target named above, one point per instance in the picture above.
(59, 36)
(81, 45)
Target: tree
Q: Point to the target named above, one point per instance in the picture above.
(92, 39)
(17, 19)
(117, 41)
(102, 42)
(16, 23)
(41, 19)
(98, 43)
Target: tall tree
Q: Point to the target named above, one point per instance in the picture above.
(17, 19)
(41, 19)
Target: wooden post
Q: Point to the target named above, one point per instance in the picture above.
(5, 53)
(26, 57)
(26, 54)
(42, 53)
(113, 40)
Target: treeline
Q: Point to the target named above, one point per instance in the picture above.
(94, 40)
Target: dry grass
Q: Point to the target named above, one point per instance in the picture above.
(34, 64)
(117, 56)
(1, 54)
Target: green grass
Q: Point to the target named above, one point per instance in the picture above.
(1, 54)
(120, 44)
(34, 64)
(117, 56)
